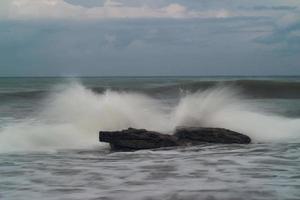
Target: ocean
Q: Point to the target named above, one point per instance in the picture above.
(49, 145)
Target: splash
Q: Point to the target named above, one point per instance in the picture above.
(73, 117)
(225, 108)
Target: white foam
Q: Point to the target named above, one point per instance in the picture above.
(73, 117)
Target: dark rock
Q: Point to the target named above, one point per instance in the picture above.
(196, 135)
(136, 139)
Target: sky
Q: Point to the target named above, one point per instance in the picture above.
(149, 37)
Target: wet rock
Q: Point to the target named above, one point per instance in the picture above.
(196, 135)
(136, 139)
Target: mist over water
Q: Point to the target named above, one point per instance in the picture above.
(72, 117)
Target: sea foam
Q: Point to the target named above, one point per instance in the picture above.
(72, 118)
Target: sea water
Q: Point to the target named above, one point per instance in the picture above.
(49, 146)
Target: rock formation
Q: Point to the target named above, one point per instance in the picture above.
(196, 135)
(136, 139)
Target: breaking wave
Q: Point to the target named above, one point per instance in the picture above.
(72, 118)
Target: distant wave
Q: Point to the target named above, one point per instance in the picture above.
(251, 88)
(22, 94)
(71, 118)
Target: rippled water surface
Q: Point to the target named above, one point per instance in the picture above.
(41, 116)
(256, 171)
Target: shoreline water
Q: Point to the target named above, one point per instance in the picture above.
(49, 139)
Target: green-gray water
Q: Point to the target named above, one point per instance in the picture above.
(49, 145)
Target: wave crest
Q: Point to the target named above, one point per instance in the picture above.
(73, 117)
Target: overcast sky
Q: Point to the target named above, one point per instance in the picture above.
(149, 37)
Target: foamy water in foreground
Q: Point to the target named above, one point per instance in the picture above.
(49, 145)
(257, 171)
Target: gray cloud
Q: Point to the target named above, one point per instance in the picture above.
(86, 3)
(256, 42)
(285, 40)
(275, 7)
